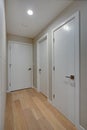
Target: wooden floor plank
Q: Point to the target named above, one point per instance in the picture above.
(31, 121)
(48, 115)
(9, 114)
(19, 120)
(61, 118)
(29, 110)
(44, 124)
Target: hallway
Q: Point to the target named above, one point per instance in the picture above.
(43, 64)
(29, 110)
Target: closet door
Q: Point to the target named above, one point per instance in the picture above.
(21, 66)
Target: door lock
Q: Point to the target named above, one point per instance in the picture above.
(29, 69)
(39, 70)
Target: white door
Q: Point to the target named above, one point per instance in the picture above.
(21, 66)
(43, 69)
(64, 57)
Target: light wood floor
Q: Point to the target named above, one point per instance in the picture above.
(29, 110)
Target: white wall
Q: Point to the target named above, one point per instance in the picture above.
(78, 5)
(2, 64)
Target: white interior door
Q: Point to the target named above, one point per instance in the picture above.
(21, 66)
(43, 66)
(64, 57)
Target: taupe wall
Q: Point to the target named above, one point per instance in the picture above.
(2, 64)
(76, 6)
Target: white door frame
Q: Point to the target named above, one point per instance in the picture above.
(9, 61)
(76, 17)
(38, 76)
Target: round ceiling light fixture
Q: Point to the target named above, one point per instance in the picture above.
(30, 12)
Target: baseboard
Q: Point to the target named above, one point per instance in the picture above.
(81, 128)
(7, 91)
(34, 88)
(50, 101)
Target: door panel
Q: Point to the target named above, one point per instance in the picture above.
(21, 62)
(43, 66)
(64, 57)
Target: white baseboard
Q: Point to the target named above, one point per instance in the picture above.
(81, 128)
(34, 88)
(50, 101)
(7, 91)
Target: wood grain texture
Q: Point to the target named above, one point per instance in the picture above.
(29, 110)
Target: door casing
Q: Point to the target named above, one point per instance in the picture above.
(76, 17)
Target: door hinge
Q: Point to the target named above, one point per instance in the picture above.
(10, 84)
(10, 65)
(53, 96)
(53, 40)
(53, 43)
(53, 68)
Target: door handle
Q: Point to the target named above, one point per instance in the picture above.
(70, 77)
(29, 69)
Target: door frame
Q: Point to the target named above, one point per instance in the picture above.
(77, 64)
(45, 36)
(9, 61)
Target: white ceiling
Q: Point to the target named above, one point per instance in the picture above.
(19, 23)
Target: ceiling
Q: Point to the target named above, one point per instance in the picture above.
(19, 23)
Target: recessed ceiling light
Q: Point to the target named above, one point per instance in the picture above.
(30, 12)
